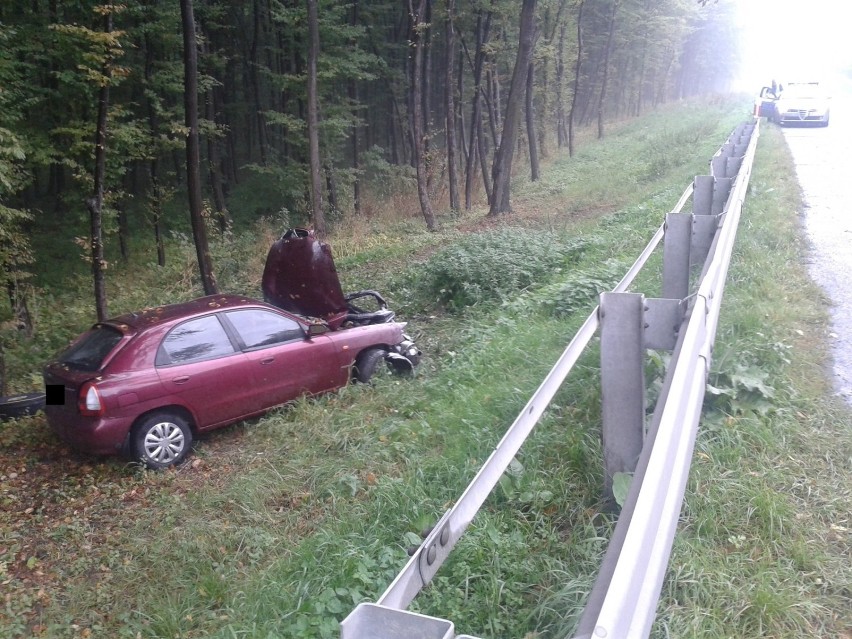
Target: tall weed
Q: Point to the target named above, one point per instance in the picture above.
(491, 267)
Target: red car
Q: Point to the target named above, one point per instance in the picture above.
(144, 383)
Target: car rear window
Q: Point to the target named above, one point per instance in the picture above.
(89, 353)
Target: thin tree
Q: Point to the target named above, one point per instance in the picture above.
(605, 80)
(193, 160)
(255, 66)
(156, 195)
(426, 89)
(502, 168)
(417, 111)
(356, 125)
(96, 202)
(535, 173)
(317, 215)
(451, 107)
(545, 109)
(561, 130)
(574, 96)
(476, 146)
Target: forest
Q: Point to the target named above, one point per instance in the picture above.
(123, 123)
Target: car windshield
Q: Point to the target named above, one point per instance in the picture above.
(804, 90)
(89, 353)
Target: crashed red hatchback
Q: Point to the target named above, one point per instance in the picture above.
(143, 384)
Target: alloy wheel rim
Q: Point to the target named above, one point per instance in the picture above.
(164, 442)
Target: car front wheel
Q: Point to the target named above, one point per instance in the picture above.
(368, 363)
(161, 440)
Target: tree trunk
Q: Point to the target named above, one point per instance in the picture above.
(451, 108)
(254, 65)
(156, 202)
(193, 159)
(531, 132)
(317, 214)
(492, 101)
(640, 80)
(214, 166)
(502, 168)
(157, 210)
(392, 136)
(483, 26)
(426, 92)
(331, 188)
(573, 111)
(544, 110)
(2, 371)
(482, 154)
(356, 151)
(417, 113)
(123, 233)
(356, 155)
(561, 130)
(544, 107)
(462, 135)
(96, 202)
(604, 81)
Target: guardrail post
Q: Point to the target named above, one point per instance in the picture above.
(719, 162)
(704, 223)
(722, 189)
(622, 329)
(702, 195)
(676, 255)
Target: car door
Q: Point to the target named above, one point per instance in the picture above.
(200, 365)
(285, 363)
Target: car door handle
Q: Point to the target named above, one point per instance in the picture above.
(181, 380)
(266, 361)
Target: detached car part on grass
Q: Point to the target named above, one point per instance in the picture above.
(14, 406)
(146, 383)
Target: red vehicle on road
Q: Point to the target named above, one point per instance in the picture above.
(145, 383)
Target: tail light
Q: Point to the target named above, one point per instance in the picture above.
(89, 401)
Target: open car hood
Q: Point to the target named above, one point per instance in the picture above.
(300, 277)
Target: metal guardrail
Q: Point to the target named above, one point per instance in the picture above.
(623, 600)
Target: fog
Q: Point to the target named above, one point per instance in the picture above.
(786, 40)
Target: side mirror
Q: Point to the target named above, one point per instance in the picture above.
(317, 329)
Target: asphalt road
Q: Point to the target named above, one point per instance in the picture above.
(824, 170)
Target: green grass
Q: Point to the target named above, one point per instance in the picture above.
(280, 526)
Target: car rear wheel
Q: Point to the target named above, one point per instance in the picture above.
(161, 440)
(368, 363)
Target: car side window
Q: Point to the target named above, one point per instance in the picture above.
(194, 341)
(260, 328)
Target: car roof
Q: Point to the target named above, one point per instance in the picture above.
(150, 317)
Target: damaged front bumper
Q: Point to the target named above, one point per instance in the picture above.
(405, 356)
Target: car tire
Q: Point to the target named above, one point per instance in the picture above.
(21, 405)
(161, 439)
(368, 363)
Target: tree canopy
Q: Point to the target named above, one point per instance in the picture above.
(375, 99)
